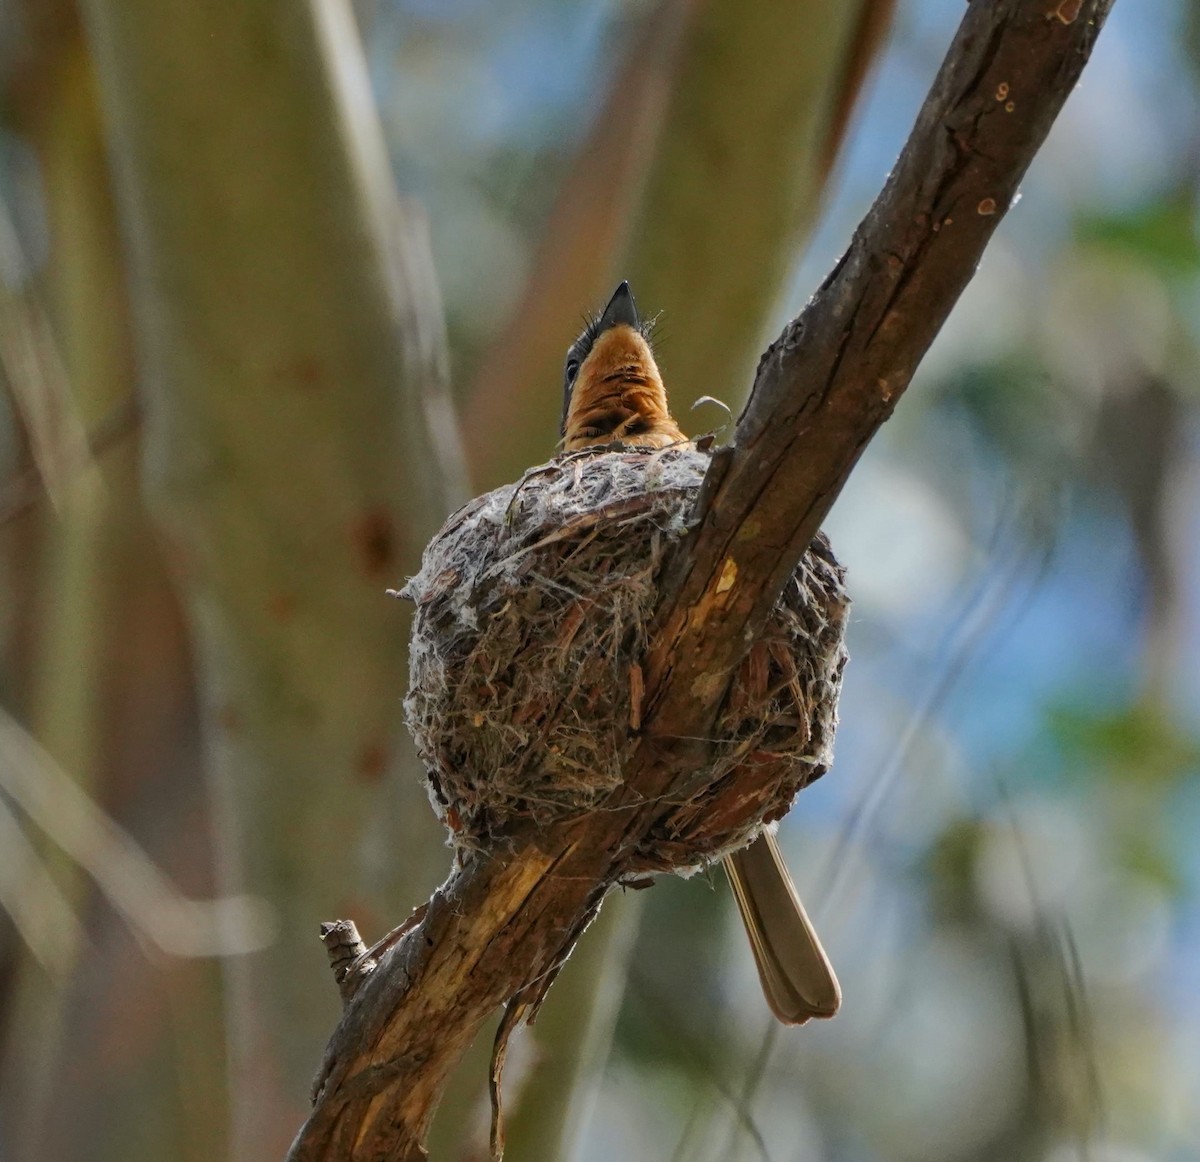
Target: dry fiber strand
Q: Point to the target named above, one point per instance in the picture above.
(534, 606)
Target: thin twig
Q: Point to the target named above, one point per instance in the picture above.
(134, 885)
(27, 489)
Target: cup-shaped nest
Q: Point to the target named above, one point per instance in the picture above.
(534, 606)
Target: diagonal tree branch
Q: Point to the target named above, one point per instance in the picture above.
(502, 923)
(834, 376)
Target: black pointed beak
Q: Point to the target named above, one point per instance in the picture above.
(621, 309)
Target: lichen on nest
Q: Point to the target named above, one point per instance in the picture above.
(533, 608)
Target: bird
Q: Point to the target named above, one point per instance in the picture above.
(613, 393)
(612, 389)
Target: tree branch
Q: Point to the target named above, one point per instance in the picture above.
(834, 376)
(503, 922)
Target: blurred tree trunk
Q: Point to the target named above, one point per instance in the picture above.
(292, 451)
(109, 694)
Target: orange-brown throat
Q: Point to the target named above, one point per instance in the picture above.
(619, 396)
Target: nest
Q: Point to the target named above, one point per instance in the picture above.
(533, 610)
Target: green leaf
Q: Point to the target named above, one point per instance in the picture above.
(1162, 234)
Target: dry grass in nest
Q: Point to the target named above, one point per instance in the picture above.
(533, 608)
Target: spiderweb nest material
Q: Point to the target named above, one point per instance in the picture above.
(533, 612)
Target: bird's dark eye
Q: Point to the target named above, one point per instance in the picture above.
(572, 370)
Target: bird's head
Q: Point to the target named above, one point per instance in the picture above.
(612, 353)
